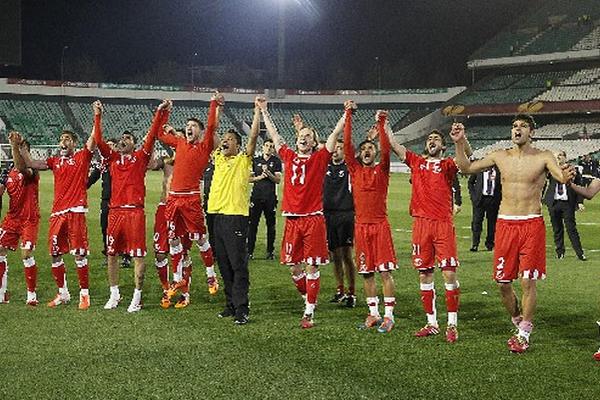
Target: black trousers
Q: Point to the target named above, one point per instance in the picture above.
(104, 222)
(230, 234)
(563, 215)
(257, 208)
(488, 208)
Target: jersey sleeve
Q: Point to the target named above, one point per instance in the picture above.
(349, 153)
(160, 118)
(411, 159)
(285, 153)
(167, 139)
(323, 156)
(51, 162)
(103, 147)
(451, 169)
(384, 141)
(208, 141)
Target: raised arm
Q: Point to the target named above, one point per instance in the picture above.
(161, 117)
(92, 140)
(167, 137)
(349, 153)
(457, 133)
(34, 164)
(271, 129)
(97, 131)
(384, 139)
(217, 100)
(251, 146)
(16, 141)
(297, 122)
(333, 136)
(562, 174)
(216, 138)
(398, 149)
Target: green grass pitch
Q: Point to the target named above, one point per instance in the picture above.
(168, 354)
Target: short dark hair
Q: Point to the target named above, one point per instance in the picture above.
(130, 134)
(440, 134)
(341, 141)
(73, 135)
(268, 141)
(196, 120)
(366, 141)
(238, 137)
(527, 118)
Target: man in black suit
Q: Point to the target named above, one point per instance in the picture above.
(562, 202)
(485, 191)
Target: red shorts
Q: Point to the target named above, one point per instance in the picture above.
(185, 214)
(434, 241)
(520, 249)
(374, 248)
(126, 232)
(68, 232)
(13, 229)
(304, 241)
(161, 232)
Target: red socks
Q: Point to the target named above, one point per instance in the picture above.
(300, 282)
(82, 273)
(313, 285)
(58, 273)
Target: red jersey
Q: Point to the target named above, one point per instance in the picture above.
(303, 177)
(369, 184)
(431, 186)
(128, 171)
(191, 158)
(23, 193)
(70, 181)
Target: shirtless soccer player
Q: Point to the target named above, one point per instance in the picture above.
(22, 220)
(183, 210)
(373, 246)
(67, 226)
(126, 231)
(305, 236)
(520, 243)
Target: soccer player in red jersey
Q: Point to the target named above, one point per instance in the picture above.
(433, 232)
(161, 237)
(67, 226)
(374, 246)
(126, 231)
(21, 220)
(305, 235)
(184, 208)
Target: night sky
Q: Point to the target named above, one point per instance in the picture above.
(432, 38)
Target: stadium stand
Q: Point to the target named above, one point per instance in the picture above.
(117, 118)
(550, 27)
(45, 118)
(40, 119)
(512, 88)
